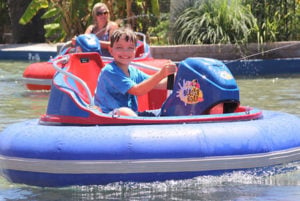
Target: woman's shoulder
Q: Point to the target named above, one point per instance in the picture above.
(111, 26)
(89, 29)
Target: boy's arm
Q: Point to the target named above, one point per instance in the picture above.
(157, 81)
(162, 84)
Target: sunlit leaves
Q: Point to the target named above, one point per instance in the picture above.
(32, 10)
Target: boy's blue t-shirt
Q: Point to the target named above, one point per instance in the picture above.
(113, 84)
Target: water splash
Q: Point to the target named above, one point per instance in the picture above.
(189, 189)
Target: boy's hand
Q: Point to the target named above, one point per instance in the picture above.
(169, 68)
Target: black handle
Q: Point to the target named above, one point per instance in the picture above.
(170, 82)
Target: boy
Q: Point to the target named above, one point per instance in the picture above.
(119, 83)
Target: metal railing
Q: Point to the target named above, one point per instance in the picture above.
(65, 59)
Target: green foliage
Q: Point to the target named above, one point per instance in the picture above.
(145, 14)
(155, 7)
(66, 18)
(237, 21)
(4, 18)
(197, 21)
(277, 20)
(213, 22)
(32, 10)
(159, 35)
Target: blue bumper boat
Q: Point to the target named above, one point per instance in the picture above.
(201, 129)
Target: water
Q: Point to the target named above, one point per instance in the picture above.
(280, 183)
(17, 103)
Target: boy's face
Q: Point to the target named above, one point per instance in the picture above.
(123, 51)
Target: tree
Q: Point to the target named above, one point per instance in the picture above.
(31, 32)
(4, 18)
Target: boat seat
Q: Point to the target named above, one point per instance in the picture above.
(140, 49)
(86, 66)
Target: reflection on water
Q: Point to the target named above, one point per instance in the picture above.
(281, 94)
(17, 103)
(278, 183)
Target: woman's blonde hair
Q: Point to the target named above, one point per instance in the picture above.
(96, 7)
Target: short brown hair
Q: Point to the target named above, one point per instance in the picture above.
(118, 33)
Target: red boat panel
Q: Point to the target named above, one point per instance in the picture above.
(87, 71)
(33, 71)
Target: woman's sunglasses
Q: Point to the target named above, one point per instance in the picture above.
(101, 13)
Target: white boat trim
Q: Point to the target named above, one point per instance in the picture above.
(233, 162)
(37, 81)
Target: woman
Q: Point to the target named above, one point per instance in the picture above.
(102, 26)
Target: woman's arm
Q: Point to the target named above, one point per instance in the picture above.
(89, 29)
(112, 26)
